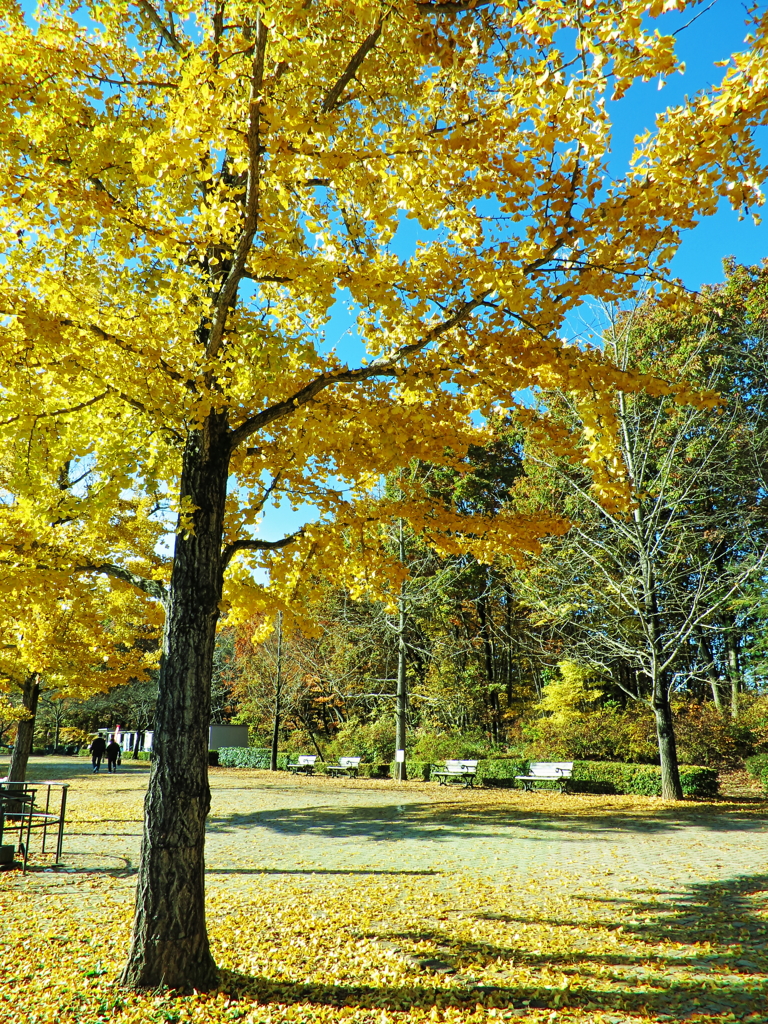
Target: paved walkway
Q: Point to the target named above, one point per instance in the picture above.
(260, 823)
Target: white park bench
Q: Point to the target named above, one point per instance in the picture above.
(547, 771)
(305, 764)
(456, 771)
(346, 766)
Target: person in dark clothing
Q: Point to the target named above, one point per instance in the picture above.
(113, 754)
(97, 750)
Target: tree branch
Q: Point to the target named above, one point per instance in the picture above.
(452, 6)
(229, 287)
(154, 588)
(334, 93)
(126, 347)
(379, 368)
(167, 33)
(60, 412)
(256, 545)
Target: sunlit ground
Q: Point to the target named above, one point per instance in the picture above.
(349, 902)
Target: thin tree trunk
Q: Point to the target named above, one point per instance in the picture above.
(170, 942)
(401, 709)
(671, 789)
(25, 733)
(734, 668)
(711, 670)
(278, 694)
(490, 675)
(311, 733)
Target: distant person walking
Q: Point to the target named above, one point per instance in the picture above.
(113, 755)
(97, 749)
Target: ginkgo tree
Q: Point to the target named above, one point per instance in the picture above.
(193, 192)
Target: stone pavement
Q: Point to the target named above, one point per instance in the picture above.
(262, 823)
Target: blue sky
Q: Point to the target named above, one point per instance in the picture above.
(717, 31)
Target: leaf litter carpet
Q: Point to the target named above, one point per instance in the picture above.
(365, 901)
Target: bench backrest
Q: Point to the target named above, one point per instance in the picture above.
(460, 767)
(549, 768)
(350, 762)
(306, 759)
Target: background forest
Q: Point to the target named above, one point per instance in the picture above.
(566, 653)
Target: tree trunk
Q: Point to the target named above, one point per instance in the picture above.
(22, 748)
(401, 708)
(734, 668)
(170, 941)
(711, 668)
(311, 733)
(278, 690)
(490, 670)
(671, 789)
(665, 730)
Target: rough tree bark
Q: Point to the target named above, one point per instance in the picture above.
(170, 943)
(22, 748)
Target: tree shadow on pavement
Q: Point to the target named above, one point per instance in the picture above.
(441, 822)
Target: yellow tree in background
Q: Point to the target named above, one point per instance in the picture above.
(75, 638)
(191, 192)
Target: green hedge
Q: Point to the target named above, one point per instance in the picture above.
(374, 771)
(500, 771)
(640, 779)
(250, 757)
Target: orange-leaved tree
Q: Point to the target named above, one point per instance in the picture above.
(191, 193)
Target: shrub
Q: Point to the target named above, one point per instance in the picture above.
(757, 767)
(500, 771)
(374, 741)
(705, 736)
(250, 757)
(640, 779)
(608, 733)
(436, 747)
(374, 771)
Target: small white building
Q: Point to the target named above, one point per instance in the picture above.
(218, 736)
